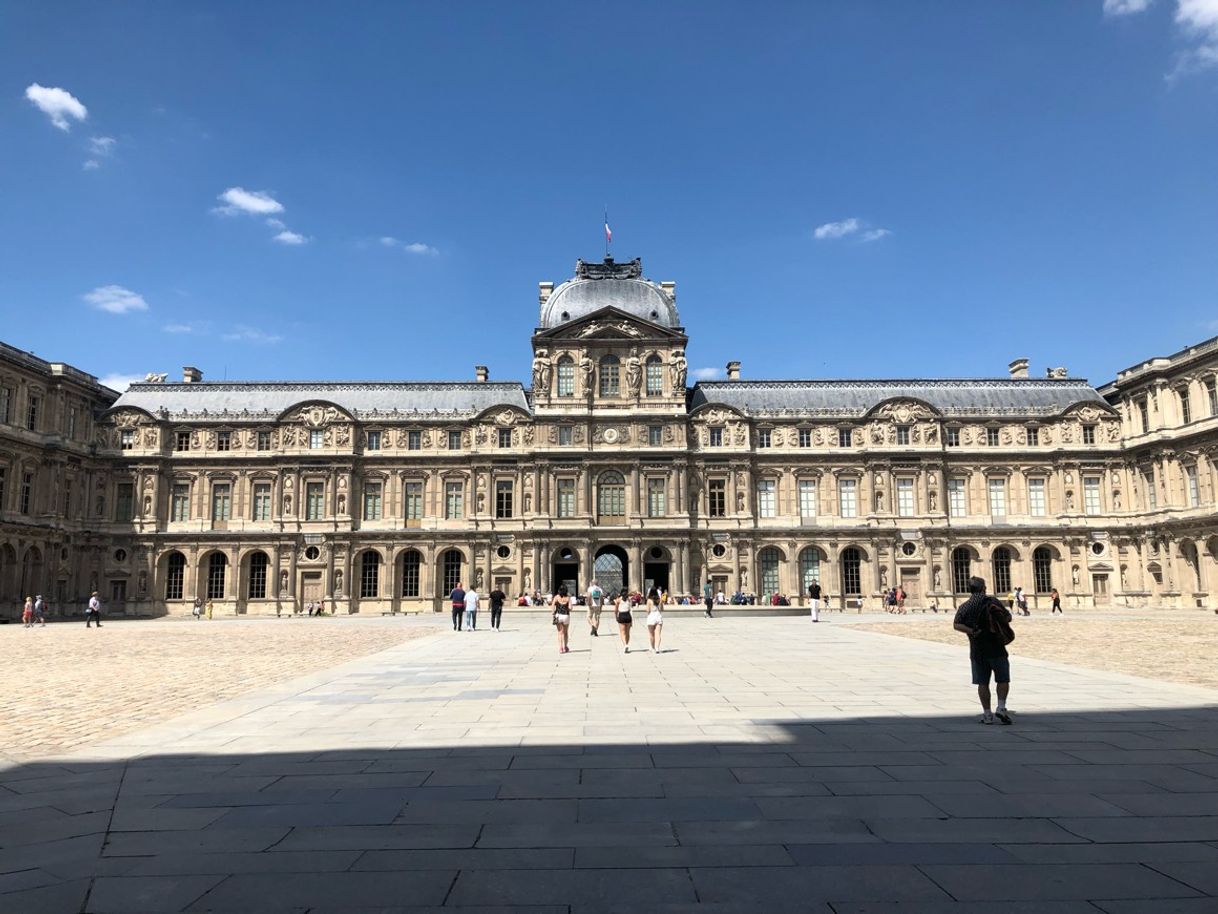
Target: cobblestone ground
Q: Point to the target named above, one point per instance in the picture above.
(66, 687)
(1173, 646)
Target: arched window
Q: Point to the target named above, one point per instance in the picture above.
(611, 385)
(767, 569)
(370, 574)
(809, 567)
(852, 579)
(1002, 570)
(962, 569)
(217, 571)
(451, 570)
(1042, 569)
(257, 582)
(655, 377)
(611, 497)
(175, 576)
(411, 562)
(566, 376)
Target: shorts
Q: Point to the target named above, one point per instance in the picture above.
(625, 618)
(594, 612)
(562, 619)
(654, 618)
(983, 666)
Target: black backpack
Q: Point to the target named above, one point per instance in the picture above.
(1000, 621)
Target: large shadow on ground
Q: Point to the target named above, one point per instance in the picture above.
(1113, 811)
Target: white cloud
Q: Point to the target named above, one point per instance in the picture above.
(179, 328)
(874, 234)
(240, 200)
(289, 237)
(1125, 7)
(116, 300)
(706, 374)
(420, 248)
(836, 229)
(57, 104)
(102, 145)
(243, 333)
(1199, 16)
(388, 241)
(91, 165)
(119, 381)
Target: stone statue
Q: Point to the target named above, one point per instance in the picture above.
(634, 372)
(740, 502)
(528, 502)
(938, 578)
(342, 503)
(527, 581)
(680, 368)
(1116, 499)
(542, 371)
(883, 576)
(143, 583)
(283, 583)
(287, 503)
(338, 582)
(1074, 575)
(477, 579)
(744, 579)
(586, 368)
(1069, 499)
(147, 505)
(932, 498)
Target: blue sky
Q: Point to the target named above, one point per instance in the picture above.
(291, 190)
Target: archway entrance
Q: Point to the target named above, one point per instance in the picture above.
(611, 568)
(655, 569)
(566, 571)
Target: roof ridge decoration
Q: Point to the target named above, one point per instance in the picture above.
(877, 383)
(307, 386)
(609, 269)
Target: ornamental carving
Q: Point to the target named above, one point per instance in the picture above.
(904, 411)
(317, 416)
(126, 419)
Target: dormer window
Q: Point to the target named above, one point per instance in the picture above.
(611, 384)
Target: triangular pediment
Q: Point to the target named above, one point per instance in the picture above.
(609, 324)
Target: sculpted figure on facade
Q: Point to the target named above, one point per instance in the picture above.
(634, 373)
(542, 371)
(586, 367)
(680, 369)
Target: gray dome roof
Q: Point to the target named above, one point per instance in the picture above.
(621, 286)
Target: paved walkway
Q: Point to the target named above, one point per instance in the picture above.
(758, 765)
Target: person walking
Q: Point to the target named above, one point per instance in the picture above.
(596, 603)
(985, 621)
(1057, 602)
(1021, 602)
(40, 610)
(655, 626)
(93, 611)
(814, 599)
(622, 614)
(196, 610)
(562, 618)
(209, 607)
(899, 595)
(708, 597)
(457, 598)
(471, 609)
(27, 613)
(497, 598)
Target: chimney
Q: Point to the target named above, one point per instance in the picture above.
(544, 290)
(669, 288)
(733, 371)
(481, 373)
(191, 375)
(1018, 369)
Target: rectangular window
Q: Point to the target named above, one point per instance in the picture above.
(414, 441)
(124, 501)
(31, 416)
(565, 435)
(3, 479)
(805, 437)
(454, 500)
(179, 506)
(566, 498)
(903, 435)
(953, 437)
(1036, 497)
(991, 437)
(317, 438)
(67, 496)
(566, 377)
(126, 439)
(224, 441)
(716, 437)
(181, 441)
(766, 501)
(372, 500)
(1033, 436)
(374, 441)
(505, 437)
(1186, 406)
(610, 377)
(315, 500)
(1152, 494)
(655, 377)
(998, 497)
(6, 403)
(1088, 434)
(27, 492)
(1211, 394)
(1091, 494)
(843, 437)
(72, 422)
(763, 437)
(848, 497)
(1144, 412)
(716, 498)
(905, 498)
(503, 498)
(454, 441)
(957, 498)
(807, 499)
(655, 498)
(262, 501)
(655, 435)
(221, 501)
(1194, 494)
(264, 441)
(414, 504)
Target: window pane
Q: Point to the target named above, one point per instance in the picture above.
(410, 574)
(1036, 497)
(655, 377)
(847, 493)
(566, 377)
(317, 438)
(566, 498)
(505, 437)
(655, 498)
(257, 581)
(768, 562)
(998, 497)
(716, 497)
(262, 501)
(655, 435)
(1194, 494)
(905, 497)
(221, 501)
(315, 493)
(610, 383)
(1091, 494)
(414, 501)
(454, 500)
(766, 501)
(957, 500)
(372, 501)
(807, 498)
(180, 505)
(454, 441)
(503, 499)
(374, 441)
(370, 575)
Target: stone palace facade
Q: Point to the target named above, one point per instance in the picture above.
(381, 496)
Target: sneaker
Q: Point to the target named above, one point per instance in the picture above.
(626, 649)
(987, 718)
(1004, 716)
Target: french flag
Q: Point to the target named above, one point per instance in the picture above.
(608, 233)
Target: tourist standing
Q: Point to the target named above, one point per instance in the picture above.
(197, 609)
(93, 611)
(899, 595)
(708, 597)
(621, 613)
(984, 619)
(497, 598)
(27, 613)
(457, 598)
(1021, 601)
(655, 626)
(471, 609)
(209, 608)
(596, 603)
(814, 599)
(1057, 602)
(40, 610)
(562, 619)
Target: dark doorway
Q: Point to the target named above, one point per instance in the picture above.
(566, 571)
(611, 568)
(655, 569)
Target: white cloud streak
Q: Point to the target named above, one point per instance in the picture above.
(419, 248)
(290, 238)
(256, 202)
(57, 104)
(179, 328)
(706, 374)
(119, 381)
(1125, 7)
(91, 165)
(116, 300)
(388, 241)
(102, 145)
(832, 231)
(243, 333)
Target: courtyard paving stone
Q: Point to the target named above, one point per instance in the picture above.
(757, 764)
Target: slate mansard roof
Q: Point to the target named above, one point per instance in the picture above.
(361, 399)
(978, 398)
(609, 285)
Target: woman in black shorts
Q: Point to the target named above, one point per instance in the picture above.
(621, 610)
(562, 618)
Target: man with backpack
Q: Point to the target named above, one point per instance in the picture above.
(596, 603)
(988, 626)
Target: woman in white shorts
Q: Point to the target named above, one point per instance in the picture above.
(655, 619)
